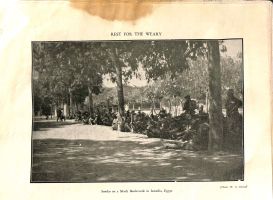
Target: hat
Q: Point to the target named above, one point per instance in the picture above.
(187, 97)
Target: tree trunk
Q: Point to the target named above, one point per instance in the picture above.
(40, 111)
(181, 106)
(108, 105)
(175, 107)
(120, 91)
(153, 106)
(117, 65)
(65, 110)
(170, 106)
(207, 102)
(215, 98)
(77, 107)
(160, 104)
(55, 111)
(90, 96)
(70, 101)
(51, 111)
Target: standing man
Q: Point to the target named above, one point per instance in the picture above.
(233, 116)
(59, 114)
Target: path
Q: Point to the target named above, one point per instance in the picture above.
(68, 152)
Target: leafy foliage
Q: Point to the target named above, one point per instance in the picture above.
(65, 67)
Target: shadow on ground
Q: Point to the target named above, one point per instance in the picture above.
(56, 160)
(42, 125)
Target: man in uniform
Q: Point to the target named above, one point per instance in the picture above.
(233, 116)
(189, 105)
(59, 114)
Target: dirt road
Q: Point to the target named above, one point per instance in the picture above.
(69, 152)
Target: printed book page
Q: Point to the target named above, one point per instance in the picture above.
(136, 99)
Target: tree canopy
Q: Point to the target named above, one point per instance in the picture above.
(66, 68)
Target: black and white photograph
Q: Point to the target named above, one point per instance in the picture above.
(137, 111)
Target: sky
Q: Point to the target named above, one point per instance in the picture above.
(233, 48)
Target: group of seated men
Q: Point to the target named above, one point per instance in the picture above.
(135, 121)
(98, 118)
(162, 124)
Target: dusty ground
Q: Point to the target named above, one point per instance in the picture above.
(69, 152)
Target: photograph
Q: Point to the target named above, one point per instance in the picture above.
(165, 110)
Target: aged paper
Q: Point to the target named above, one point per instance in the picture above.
(27, 21)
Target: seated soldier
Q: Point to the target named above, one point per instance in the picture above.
(78, 116)
(189, 105)
(162, 113)
(98, 120)
(91, 120)
(107, 120)
(115, 123)
(127, 114)
(85, 119)
(140, 124)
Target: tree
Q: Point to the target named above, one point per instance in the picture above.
(162, 62)
(90, 71)
(171, 58)
(49, 65)
(121, 59)
(232, 71)
(215, 97)
(67, 68)
(118, 61)
(153, 93)
(210, 49)
(162, 58)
